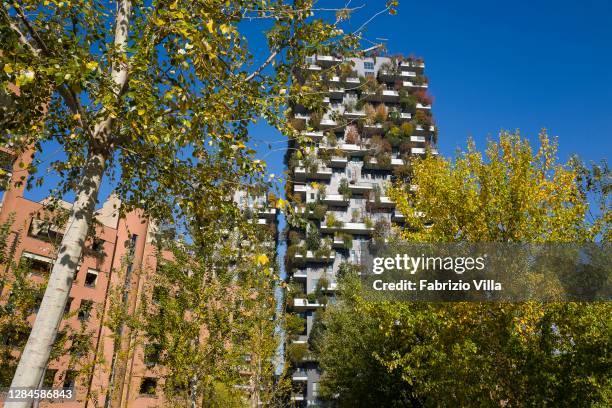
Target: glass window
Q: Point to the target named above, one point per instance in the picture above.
(91, 278)
(148, 386)
(368, 65)
(369, 74)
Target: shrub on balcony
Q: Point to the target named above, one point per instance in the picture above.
(297, 124)
(383, 160)
(344, 189)
(349, 105)
(319, 211)
(332, 222)
(330, 139)
(407, 101)
(424, 97)
(355, 215)
(315, 120)
(296, 352)
(313, 239)
(352, 135)
(423, 118)
(312, 298)
(381, 113)
(368, 222)
(322, 189)
(347, 240)
(294, 237)
(293, 290)
(406, 130)
(322, 284)
(394, 136)
(295, 325)
(420, 80)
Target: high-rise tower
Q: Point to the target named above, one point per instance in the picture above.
(376, 115)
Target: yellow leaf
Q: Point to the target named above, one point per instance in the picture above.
(262, 259)
(91, 65)
(280, 203)
(76, 116)
(141, 112)
(210, 26)
(8, 69)
(224, 28)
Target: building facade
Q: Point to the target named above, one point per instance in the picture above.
(376, 116)
(119, 256)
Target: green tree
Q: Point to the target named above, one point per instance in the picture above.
(144, 93)
(485, 354)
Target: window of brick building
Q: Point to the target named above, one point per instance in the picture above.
(91, 278)
(148, 386)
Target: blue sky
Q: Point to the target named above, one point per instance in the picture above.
(492, 65)
(497, 65)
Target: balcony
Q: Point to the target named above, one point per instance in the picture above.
(417, 150)
(389, 95)
(349, 227)
(328, 60)
(408, 74)
(382, 202)
(335, 199)
(304, 304)
(328, 124)
(397, 162)
(299, 375)
(352, 82)
(298, 397)
(314, 67)
(336, 92)
(302, 116)
(354, 149)
(315, 135)
(421, 128)
(412, 85)
(417, 139)
(269, 213)
(398, 217)
(322, 173)
(360, 188)
(338, 162)
(354, 114)
(312, 256)
(421, 106)
(374, 164)
(300, 274)
(372, 128)
(300, 189)
(412, 64)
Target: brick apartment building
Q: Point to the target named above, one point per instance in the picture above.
(119, 255)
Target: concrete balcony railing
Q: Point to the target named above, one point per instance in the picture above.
(336, 92)
(353, 148)
(355, 114)
(302, 116)
(421, 128)
(335, 199)
(322, 173)
(312, 256)
(328, 60)
(315, 135)
(337, 161)
(360, 188)
(304, 304)
(417, 150)
(328, 123)
(412, 64)
(348, 227)
(412, 85)
(352, 81)
(417, 139)
(397, 162)
(314, 67)
(298, 397)
(382, 202)
(397, 216)
(421, 106)
(408, 74)
(300, 189)
(300, 274)
(372, 128)
(299, 375)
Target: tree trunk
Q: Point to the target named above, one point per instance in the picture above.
(35, 356)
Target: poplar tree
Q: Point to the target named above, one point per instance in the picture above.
(142, 92)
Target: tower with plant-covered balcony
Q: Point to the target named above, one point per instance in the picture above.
(367, 118)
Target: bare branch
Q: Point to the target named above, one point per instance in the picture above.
(262, 66)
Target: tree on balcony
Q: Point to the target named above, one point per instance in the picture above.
(344, 189)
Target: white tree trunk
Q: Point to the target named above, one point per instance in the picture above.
(35, 356)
